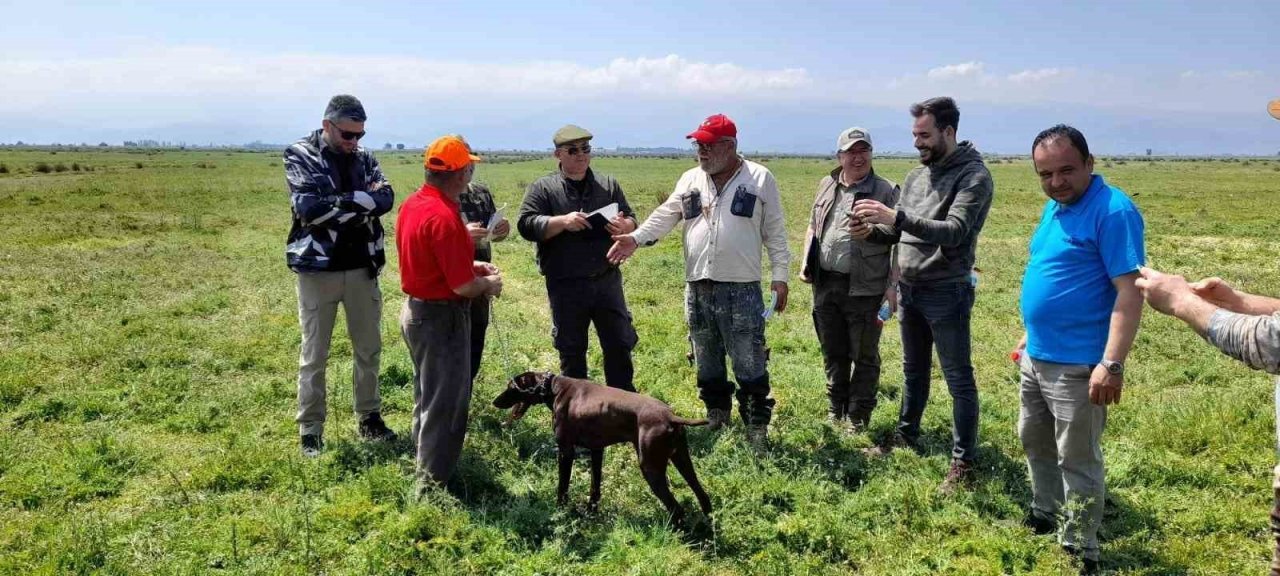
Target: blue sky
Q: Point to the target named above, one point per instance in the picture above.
(1177, 77)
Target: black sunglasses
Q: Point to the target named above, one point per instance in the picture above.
(351, 135)
(575, 150)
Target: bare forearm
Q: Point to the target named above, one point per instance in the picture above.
(1125, 317)
(475, 288)
(1255, 305)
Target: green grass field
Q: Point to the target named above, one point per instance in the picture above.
(148, 353)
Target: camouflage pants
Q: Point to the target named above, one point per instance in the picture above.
(728, 318)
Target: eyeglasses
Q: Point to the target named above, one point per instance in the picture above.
(351, 135)
(706, 147)
(575, 150)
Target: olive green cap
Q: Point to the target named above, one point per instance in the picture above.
(569, 134)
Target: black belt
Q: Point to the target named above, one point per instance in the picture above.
(442, 302)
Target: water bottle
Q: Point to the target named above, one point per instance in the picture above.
(884, 314)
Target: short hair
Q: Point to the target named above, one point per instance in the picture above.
(344, 107)
(1062, 131)
(943, 109)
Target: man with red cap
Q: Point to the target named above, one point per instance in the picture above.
(731, 211)
(439, 275)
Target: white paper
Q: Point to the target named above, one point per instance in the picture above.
(495, 219)
(609, 212)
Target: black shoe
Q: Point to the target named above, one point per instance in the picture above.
(373, 428)
(312, 444)
(1088, 566)
(1040, 525)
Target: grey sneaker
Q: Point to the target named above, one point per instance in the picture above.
(717, 418)
(312, 444)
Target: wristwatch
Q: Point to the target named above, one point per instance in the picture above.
(1113, 368)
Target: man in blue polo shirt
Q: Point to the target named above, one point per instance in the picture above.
(1081, 310)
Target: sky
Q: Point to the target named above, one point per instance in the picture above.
(1184, 78)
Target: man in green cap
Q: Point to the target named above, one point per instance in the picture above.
(557, 214)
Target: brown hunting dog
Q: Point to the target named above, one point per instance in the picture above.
(593, 416)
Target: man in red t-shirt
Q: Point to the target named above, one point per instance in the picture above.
(439, 275)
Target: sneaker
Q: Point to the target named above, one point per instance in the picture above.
(312, 444)
(373, 428)
(959, 475)
(1040, 525)
(717, 418)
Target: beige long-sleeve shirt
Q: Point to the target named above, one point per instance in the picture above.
(725, 229)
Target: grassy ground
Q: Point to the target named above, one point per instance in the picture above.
(148, 346)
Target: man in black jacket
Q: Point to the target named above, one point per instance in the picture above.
(582, 285)
(337, 192)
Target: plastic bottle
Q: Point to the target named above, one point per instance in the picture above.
(884, 314)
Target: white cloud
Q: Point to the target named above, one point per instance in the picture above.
(171, 74)
(967, 69)
(1029, 76)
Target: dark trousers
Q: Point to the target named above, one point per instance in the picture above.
(438, 334)
(939, 314)
(479, 326)
(849, 333)
(577, 303)
(728, 318)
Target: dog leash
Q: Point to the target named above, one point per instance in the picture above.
(502, 340)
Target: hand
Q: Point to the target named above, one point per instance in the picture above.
(624, 245)
(376, 186)
(1217, 292)
(1105, 387)
(495, 285)
(873, 212)
(621, 225)
(477, 231)
(860, 231)
(574, 221)
(1019, 350)
(1163, 291)
(891, 297)
(781, 289)
(501, 230)
(483, 268)
(805, 278)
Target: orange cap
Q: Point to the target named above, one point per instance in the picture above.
(448, 154)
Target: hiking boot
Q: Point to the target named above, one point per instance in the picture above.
(958, 476)
(758, 436)
(1040, 525)
(894, 442)
(312, 444)
(374, 429)
(717, 418)
(1088, 565)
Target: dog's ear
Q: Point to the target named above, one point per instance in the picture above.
(508, 398)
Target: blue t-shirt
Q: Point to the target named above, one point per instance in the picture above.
(1067, 294)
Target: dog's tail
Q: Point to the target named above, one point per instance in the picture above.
(688, 422)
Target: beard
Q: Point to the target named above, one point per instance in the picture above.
(932, 154)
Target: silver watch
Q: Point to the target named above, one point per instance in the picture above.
(1113, 368)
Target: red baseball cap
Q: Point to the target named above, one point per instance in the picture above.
(715, 127)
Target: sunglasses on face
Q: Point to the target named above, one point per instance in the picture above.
(351, 135)
(707, 147)
(575, 150)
